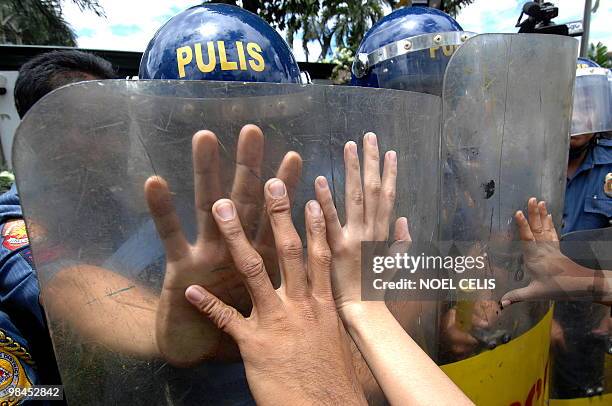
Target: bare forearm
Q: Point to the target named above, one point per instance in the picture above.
(601, 286)
(371, 389)
(104, 308)
(405, 373)
(582, 282)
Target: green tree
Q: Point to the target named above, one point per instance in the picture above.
(452, 7)
(327, 22)
(39, 22)
(339, 23)
(599, 54)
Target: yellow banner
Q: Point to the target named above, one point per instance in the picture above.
(513, 374)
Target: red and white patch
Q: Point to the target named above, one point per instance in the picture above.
(14, 235)
(608, 185)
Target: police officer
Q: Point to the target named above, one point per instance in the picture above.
(26, 354)
(588, 199)
(206, 42)
(212, 42)
(581, 329)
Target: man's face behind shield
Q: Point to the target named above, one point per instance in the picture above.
(579, 141)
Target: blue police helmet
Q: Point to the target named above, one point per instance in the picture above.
(582, 63)
(218, 42)
(408, 50)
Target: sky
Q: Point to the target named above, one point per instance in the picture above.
(130, 24)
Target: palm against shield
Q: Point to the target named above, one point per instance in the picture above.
(183, 336)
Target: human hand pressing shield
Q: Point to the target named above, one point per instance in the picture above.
(553, 275)
(184, 338)
(294, 346)
(369, 204)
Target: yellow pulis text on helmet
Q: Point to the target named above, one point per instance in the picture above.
(446, 50)
(207, 56)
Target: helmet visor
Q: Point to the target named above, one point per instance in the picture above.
(591, 113)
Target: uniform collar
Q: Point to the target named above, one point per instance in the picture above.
(599, 154)
(602, 152)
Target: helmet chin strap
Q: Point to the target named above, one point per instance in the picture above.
(576, 153)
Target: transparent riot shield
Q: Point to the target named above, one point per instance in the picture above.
(582, 352)
(82, 155)
(506, 118)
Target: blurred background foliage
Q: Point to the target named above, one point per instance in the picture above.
(6, 180)
(334, 25)
(39, 22)
(599, 53)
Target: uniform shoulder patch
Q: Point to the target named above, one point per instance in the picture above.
(13, 373)
(14, 234)
(608, 185)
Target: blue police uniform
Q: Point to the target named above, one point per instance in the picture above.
(26, 353)
(586, 204)
(578, 369)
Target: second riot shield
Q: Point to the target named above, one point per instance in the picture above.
(506, 119)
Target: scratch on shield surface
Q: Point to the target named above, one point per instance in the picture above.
(146, 151)
(120, 290)
(545, 143)
(83, 191)
(107, 126)
(116, 292)
(491, 222)
(170, 118)
(235, 162)
(501, 149)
